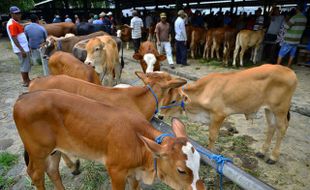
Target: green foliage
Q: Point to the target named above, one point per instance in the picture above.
(24, 5)
(7, 161)
(95, 176)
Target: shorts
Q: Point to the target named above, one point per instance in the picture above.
(24, 62)
(288, 48)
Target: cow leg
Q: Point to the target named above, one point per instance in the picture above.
(282, 124)
(133, 183)
(74, 167)
(52, 169)
(36, 170)
(215, 124)
(127, 45)
(118, 179)
(237, 48)
(243, 49)
(217, 51)
(205, 51)
(118, 71)
(213, 49)
(225, 54)
(255, 54)
(110, 81)
(269, 133)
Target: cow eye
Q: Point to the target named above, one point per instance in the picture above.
(180, 171)
(173, 102)
(97, 49)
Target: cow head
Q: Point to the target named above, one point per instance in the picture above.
(48, 47)
(172, 103)
(96, 54)
(178, 161)
(149, 57)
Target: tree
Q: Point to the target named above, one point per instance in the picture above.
(24, 5)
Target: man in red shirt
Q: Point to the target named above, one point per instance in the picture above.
(19, 43)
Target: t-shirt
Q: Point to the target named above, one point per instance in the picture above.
(136, 24)
(275, 24)
(259, 23)
(36, 35)
(180, 31)
(15, 29)
(163, 29)
(295, 28)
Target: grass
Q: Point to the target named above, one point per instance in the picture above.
(95, 176)
(7, 161)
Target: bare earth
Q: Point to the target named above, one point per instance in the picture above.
(291, 172)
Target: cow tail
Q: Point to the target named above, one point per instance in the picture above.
(122, 55)
(26, 157)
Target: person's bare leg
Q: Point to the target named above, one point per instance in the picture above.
(279, 60)
(290, 61)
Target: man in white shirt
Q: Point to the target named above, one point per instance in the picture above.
(180, 39)
(136, 24)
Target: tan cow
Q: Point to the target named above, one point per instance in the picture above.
(139, 99)
(123, 140)
(219, 95)
(102, 54)
(65, 63)
(149, 57)
(60, 29)
(246, 39)
(197, 40)
(208, 44)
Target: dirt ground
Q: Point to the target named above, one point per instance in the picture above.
(291, 172)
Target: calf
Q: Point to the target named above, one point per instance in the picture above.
(119, 138)
(125, 34)
(102, 54)
(217, 96)
(246, 39)
(229, 43)
(60, 29)
(149, 57)
(65, 63)
(198, 39)
(208, 44)
(133, 98)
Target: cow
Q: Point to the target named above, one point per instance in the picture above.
(46, 121)
(60, 29)
(198, 38)
(213, 98)
(133, 98)
(246, 39)
(65, 44)
(65, 63)
(229, 43)
(102, 54)
(208, 44)
(149, 57)
(124, 33)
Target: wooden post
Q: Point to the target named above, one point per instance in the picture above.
(232, 6)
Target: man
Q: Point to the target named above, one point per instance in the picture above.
(181, 38)
(56, 19)
(36, 35)
(295, 28)
(68, 19)
(136, 24)
(259, 21)
(162, 31)
(77, 19)
(19, 43)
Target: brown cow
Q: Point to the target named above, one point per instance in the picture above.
(65, 63)
(217, 96)
(197, 40)
(246, 39)
(208, 43)
(125, 35)
(117, 137)
(60, 29)
(66, 44)
(149, 57)
(229, 44)
(102, 54)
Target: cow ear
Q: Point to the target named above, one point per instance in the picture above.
(140, 74)
(156, 149)
(137, 56)
(175, 83)
(178, 128)
(161, 57)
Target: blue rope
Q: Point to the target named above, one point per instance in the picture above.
(159, 140)
(155, 96)
(219, 160)
(59, 46)
(182, 104)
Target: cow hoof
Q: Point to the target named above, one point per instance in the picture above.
(269, 161)
(77, 168)
(160, 117)
(259, 155)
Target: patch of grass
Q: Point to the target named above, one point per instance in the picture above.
(7, 161)
(211, 62)
(95, 176)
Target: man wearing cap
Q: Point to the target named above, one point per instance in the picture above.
(136, 24)
(36, 35)
(19, 43)
(180, 39)
(162, 31)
